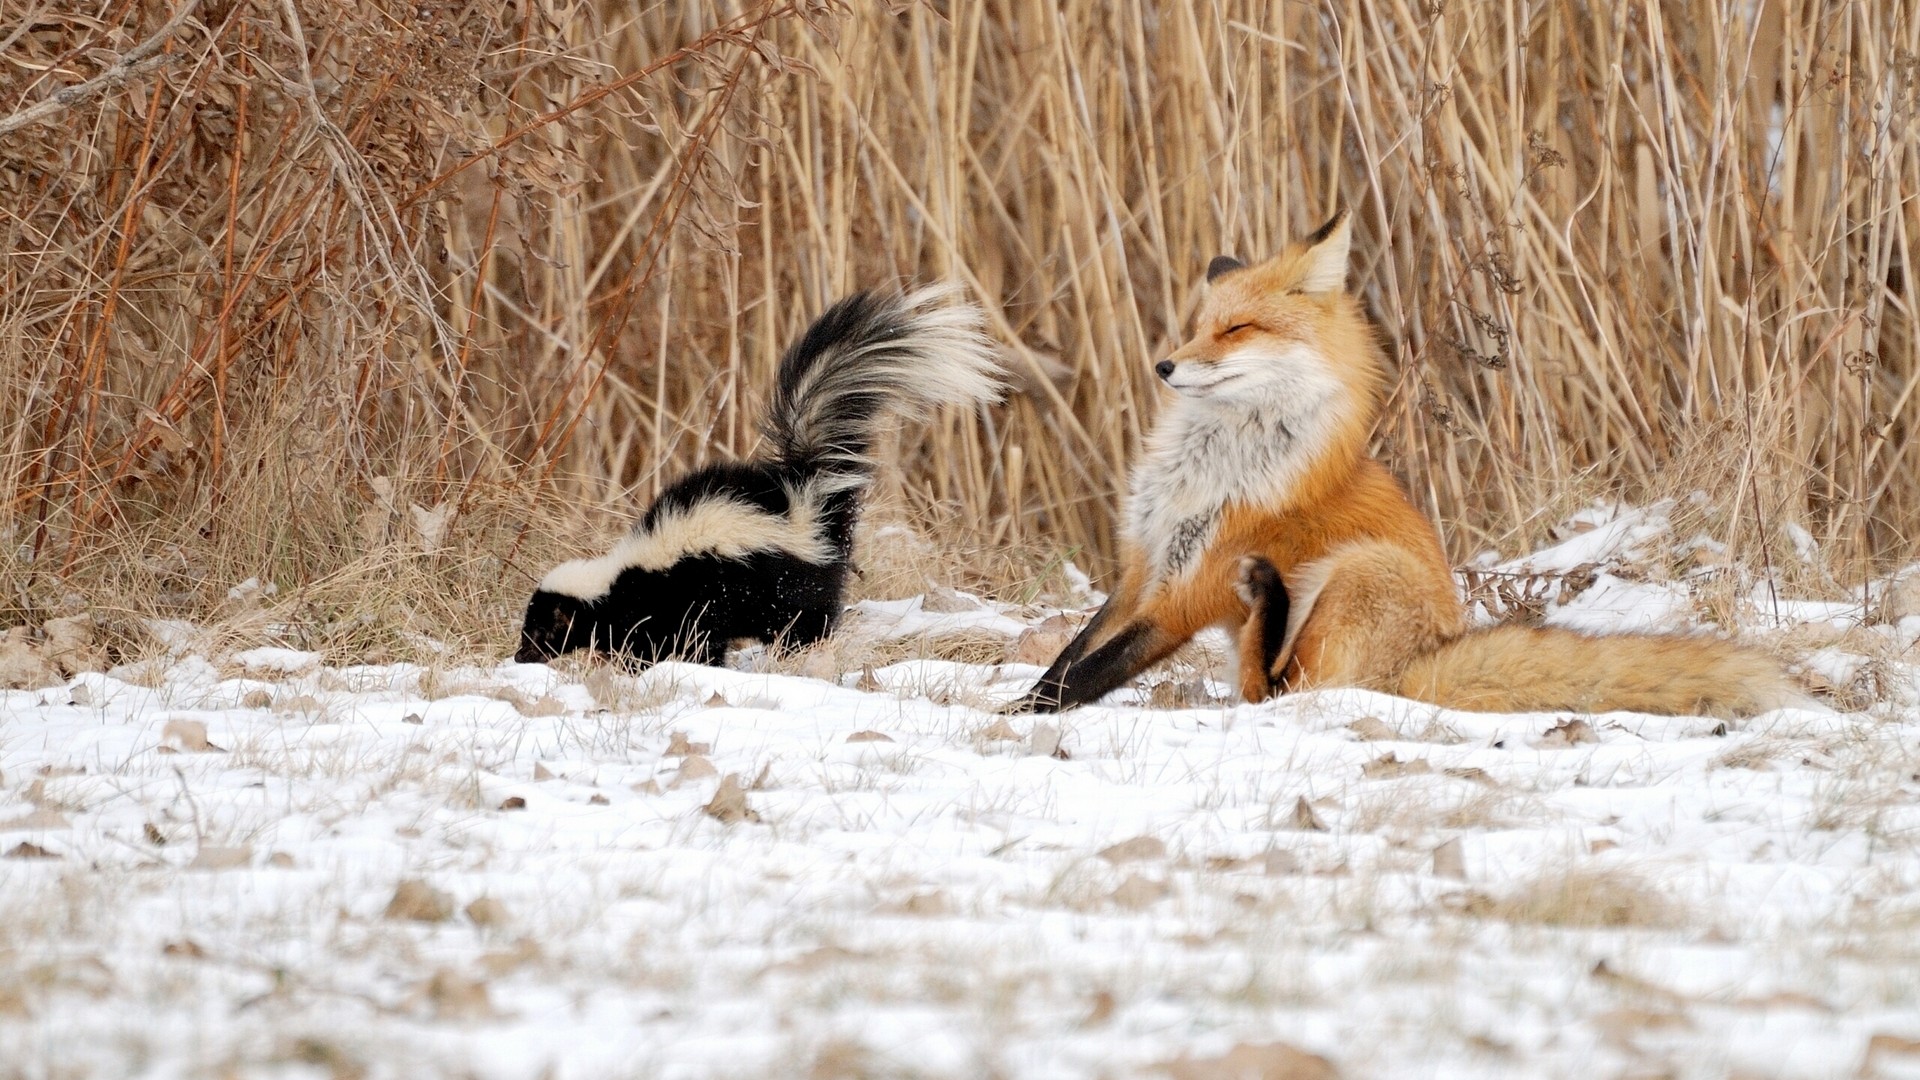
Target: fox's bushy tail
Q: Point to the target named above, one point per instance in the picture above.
(1542, 669)
(867, 358)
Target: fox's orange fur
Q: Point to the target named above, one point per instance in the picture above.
(1260, 465)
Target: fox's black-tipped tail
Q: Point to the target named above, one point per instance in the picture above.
(870, 356)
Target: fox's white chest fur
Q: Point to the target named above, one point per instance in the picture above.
(1208, 453)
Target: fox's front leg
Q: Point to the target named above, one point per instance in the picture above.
(1135, 648)
(1047, 690)
(1264, 634)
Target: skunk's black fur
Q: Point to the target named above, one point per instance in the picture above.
(761, 549)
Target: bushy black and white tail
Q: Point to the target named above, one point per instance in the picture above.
(867, 358)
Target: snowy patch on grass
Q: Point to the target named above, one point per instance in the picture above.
(271, 865)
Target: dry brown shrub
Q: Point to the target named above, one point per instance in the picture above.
(384, 303)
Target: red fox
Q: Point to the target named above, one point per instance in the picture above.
(1256, 508)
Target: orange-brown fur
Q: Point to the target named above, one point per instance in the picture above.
(1283, 344)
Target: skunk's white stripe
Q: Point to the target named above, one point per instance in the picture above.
(726, 528)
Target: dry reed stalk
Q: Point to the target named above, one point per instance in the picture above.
(332, 261)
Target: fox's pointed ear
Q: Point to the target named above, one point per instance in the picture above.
(1223, 264)
(1327, 251)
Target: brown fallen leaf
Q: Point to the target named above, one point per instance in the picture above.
(513, 802)
(488, 912)
(45, 817)
(185, 947)
(599, 800)
(210, 857)
(868, 736)
(679, 746)
(718, 701)
(417, 901)
(1140, 847)
(999, 731)
(1040, 643)
(1373, 729)
(28, 850)
(1254, 1061)
(456, 997)
(1304, 817)
(1278, 862)
(1569, 732)
(188, 736)
(541, 772)
(1619, 1026)
(1137, 892)
(256, 699)
(729, 802)
(154, 835)
(694, 767)
(1470, 773)
(1390, 765)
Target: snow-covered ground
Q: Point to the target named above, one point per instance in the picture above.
(261, 865)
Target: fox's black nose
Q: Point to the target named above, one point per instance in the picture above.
(1164, 369)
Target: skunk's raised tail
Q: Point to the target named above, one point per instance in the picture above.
(866, 358)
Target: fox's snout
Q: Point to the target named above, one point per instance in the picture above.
(1164, 369)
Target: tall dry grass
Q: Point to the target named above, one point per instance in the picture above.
(385, 301)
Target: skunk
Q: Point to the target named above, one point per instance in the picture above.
(761, 549)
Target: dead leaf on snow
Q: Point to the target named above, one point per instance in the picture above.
(1450, 860)
(1140, 847)
(1137, 892)
(729, 802)
(1569, 732)
(488, 912)
(1373, 729)
(717, 701)
(417, 901)
(154, 835)
(1254, 1061)
(46, 817)
(456, 997)
(188, 736)
(999, 731)
(925, 904)
(1039, 644)
(1304, 817)
(1390, 765)
(1279, 862)
(1102, 1010)
(210, 857)
(1619, 1026)
(513, 802)
(540, 772)
(1478, 776)
(868, 736)
(185, 947)
(27, 850)
(678, 746)
(693, 768)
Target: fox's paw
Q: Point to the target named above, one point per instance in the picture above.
(1256, 581)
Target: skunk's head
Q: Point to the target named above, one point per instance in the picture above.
(556, 623)
(569, 611)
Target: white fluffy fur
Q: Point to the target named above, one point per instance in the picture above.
(1243, 430)
(951, 361)
(723, 527)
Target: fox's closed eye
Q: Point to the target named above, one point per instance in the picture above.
(1237, 327)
